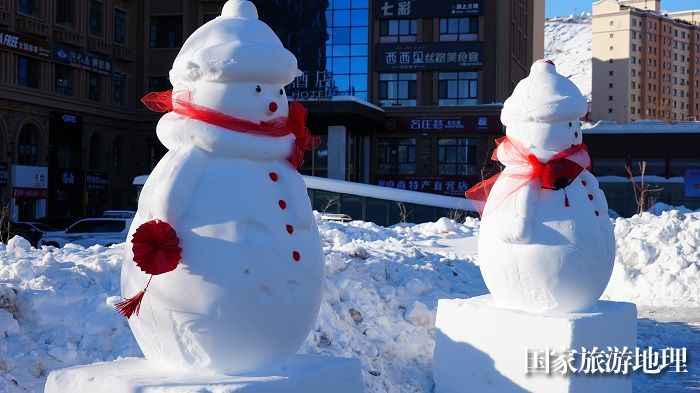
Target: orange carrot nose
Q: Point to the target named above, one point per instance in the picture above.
(272, 107)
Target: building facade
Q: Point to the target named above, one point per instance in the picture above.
(441, 71)
(646, 65)
(72, 134)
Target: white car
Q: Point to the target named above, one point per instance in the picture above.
(90, 231)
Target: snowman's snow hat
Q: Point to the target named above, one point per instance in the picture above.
(235, 46)
(544, 96)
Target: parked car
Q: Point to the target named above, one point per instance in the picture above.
(58, 222)
(90, 231)
(32, 231)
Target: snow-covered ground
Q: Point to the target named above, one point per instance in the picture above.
(567, 42)
(382, 287)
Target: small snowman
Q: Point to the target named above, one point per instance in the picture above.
(223, 268)
(546, 243)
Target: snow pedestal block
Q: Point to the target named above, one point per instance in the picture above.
(484, 348)
(304, 374)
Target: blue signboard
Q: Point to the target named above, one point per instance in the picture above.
(692, 183)
(79, 59)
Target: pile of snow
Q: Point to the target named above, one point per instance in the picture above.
(567, 42)
(381, 292)
(658, 260)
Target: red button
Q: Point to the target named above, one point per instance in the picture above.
(273, 176)
(590, 197)
(296, 256)
(597, 213)
(290, 229)
(283, 204)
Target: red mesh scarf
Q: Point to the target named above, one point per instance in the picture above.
(295, 123)
(523, 167)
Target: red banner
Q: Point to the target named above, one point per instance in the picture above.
(30, 193)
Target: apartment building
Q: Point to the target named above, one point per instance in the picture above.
(441, 71)
(646, 64)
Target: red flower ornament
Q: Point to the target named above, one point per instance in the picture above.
(156, 249)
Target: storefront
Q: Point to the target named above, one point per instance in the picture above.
(29, 192)
(437, 152)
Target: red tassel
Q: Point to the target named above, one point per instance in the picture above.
(566, 199)
(131, 305)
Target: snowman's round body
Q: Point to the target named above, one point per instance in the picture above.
(543, 250)
(238, 301)
(249, 284)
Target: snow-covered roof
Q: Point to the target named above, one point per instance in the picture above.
(642, 127)
(359, 101)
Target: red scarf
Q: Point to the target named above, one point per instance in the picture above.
(295, 123)
(555, 174)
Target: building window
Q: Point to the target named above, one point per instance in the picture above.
(397, 155)
(610, 98)
(27, 146)
(118, 89)
(397, 89)
(95, 87)
(458, 88)
(95, 152)
(346, 49)
(403, 30)
(456, 156)
(159, 83)
(29, 7)
(65, 13)
(609, 110)
(96, 18)
(166, 31)
(117, 154)
(459, 29)
(119, 26)
(610, 73)
(610, 85)
(28, 72)
(64, 79)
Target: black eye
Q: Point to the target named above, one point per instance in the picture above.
(258, 89)
(570, 125)
(281, 92)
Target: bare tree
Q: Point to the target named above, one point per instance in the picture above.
(403, 212)
(644, 194)
(456, 215)
(330, 202)
(5, 217)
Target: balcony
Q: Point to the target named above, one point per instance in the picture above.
(32, 26)
(5, 18)
(123, 53)
(68, 36)
(99, 46)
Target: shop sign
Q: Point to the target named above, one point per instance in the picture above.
(398, 9)
(25, 176)
(450, 56)
(426, 184)
(314, 87)
(692, 183)
(24, 45)
(30, 181)
(79, 59)
(96, 181)
(68, 177)
(443, 123)
(3, 174)
(30, 193)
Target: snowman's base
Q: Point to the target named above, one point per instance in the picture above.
(485, 348)
(304, 374)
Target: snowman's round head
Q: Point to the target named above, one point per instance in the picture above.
(235, 64)
(544, 110)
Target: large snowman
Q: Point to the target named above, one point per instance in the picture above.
(546, 243)
(228, 204)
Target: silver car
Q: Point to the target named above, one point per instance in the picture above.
(87, 232)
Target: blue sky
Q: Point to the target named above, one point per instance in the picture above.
(567, 7)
